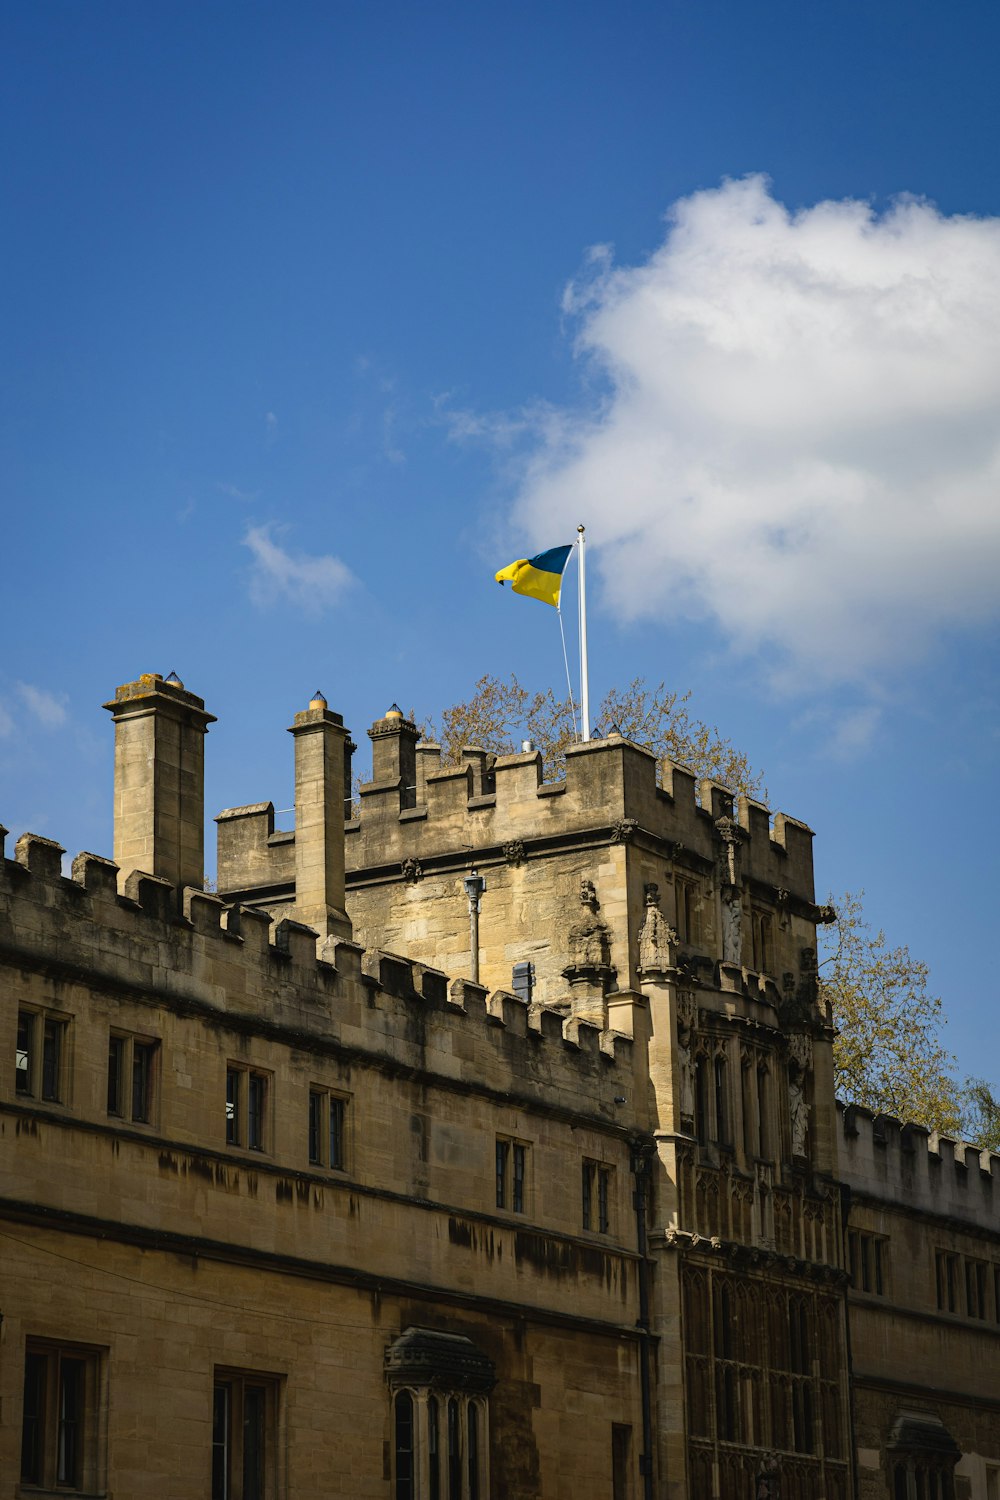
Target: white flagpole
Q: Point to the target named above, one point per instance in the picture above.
(584, 675)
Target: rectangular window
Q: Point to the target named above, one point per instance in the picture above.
(246, 1107)
(39, 1058)
(867, 1258)
(946, 1265)
(131, 1063)
(975, 1287)
(621, 1461)
(689, 908)
(327, 1129)
(597, 1186)
(763, 941)
(59, 1428)
(244, 1433)
(511, 1174)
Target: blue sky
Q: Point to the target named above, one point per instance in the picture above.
(314, 315)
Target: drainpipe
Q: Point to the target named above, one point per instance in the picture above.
(640, 1160)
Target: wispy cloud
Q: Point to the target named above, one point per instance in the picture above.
(790, 429)
(235, 493)
(45, 707)
(311, 583)
(390, 443)
(502, 430)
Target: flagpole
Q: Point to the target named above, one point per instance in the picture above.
(584, 674)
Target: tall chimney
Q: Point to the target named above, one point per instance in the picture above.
(320, 756)
(160, 780)
(394, 758)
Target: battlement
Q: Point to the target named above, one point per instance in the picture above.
(884, 1158)
(207, 958)
(491, 802)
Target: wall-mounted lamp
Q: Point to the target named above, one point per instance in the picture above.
(475, 885)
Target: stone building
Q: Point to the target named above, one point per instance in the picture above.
(479, 1145)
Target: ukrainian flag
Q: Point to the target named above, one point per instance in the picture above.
(539, 577)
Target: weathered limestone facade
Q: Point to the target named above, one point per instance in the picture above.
(924, 1252)
(287, 1211)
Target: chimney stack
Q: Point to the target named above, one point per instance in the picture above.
(160, 780)
(394, 759)
(320, 764)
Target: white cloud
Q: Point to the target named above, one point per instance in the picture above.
(236, 493)
(312, 583)
(44, 706)
(797, 435)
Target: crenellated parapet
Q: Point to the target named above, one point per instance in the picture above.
(225, 964)
(885, 1159)
(609, 792)
(735, 884)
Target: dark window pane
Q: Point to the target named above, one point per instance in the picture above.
(454, 1453)
(472, 1441)
(701, 1099)
(502, 1153)
(588, 1189)
(337, 1153)
(517, 1196)
(70, 1412)
(603, 1217)
(433, 1449)
(621, 1443)
(763, 1133)
(116, 1062)
(51, 1057)
(315, 1127)
(256, 1094)
(23, 1054)
(142, 1078)
(33, 1417)
(721, 1103)
(220, 1443)
(232, 1106)
(254, 1417)
(404, 1446)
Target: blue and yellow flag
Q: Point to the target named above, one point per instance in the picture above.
(539, 577)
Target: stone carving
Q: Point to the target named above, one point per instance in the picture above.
(799, 1063)
(732, 926)
(513, 852)
(589, 939)
(656, 936)
(687, 1013)
(623, 830)
(731, 836)
(411, 871)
